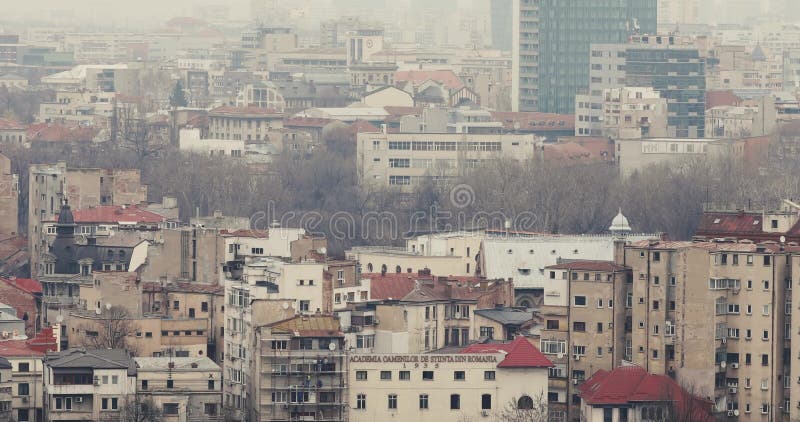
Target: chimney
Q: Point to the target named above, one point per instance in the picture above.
(484, 284)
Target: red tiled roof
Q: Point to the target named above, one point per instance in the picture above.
(316, 122)
(447, 78)
(392, 285)
(27, 284)
(721, 98)
(364, 126)
(520, 353)
(630, 384)
(10, 124)
(308, 326)
(533, 121)
(588, 265)
(43, 342)
(724, 224)
(115, 214)
(51, 132)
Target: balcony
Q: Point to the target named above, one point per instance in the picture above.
(71, 389)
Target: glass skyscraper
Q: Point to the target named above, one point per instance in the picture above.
(551, 45)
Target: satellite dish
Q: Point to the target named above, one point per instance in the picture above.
(323, 250)
(723, 364)
(59, 319)
(332, 346)
(736, 412)
(783, 239)
(108, 306)
(97, 311)
(285, 305)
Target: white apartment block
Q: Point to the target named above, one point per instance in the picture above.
(405, 159)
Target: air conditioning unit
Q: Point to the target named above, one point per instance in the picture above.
(25, 399)
(576, 357)
(575, 381)
(724, 340)
(78, 399)
(484, 413)
(730, 413)
(735, 365)
(732, 390)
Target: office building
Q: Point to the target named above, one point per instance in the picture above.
(551, 45)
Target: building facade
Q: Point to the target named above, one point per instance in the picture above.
(551, 46)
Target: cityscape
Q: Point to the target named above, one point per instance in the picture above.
(373, 210)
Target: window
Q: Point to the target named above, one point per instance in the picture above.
(361, 400)
(455, 401)
(579, 326)
(579, 300)
(764, 360)
(427, 375)
(525, 403)
(487, 332)
(170, 408)
(361, 375)
(767, 260)
(392, 401)
(211, 384)
(144, 385)
(552, 324)
(210, 409)
(423, 401)
(170, 383)
(176, 305)
(305, 305)
(489, 375)
(23, 415)
(459, 375)
(386, 375)
(23, 389)
(257, 251)
(486, 401)
(599, 327)
(599, 303)
(23, 367)
(405, 376)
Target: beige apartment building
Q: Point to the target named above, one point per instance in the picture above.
(243, 123)
(184, 389)
(9, 199)
(586, 333)
(301, 371)
(405, 159)
(50, 184)
(714, 316)
(436, 314)
(633, 113)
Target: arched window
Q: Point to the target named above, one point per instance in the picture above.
(369, 267)
(525, 403)
(383, 268)
(121, 254)
(398, 270)
(110, 254)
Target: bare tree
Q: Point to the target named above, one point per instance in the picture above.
(135, 134)
(525, 409)
(139, 408)
(110, 330)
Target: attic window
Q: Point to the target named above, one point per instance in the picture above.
(553, 252)
(524, 271)
(530, 251)
(510, 251)
(717, 220)
(575, 251)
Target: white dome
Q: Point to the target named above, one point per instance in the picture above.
(620, 223)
